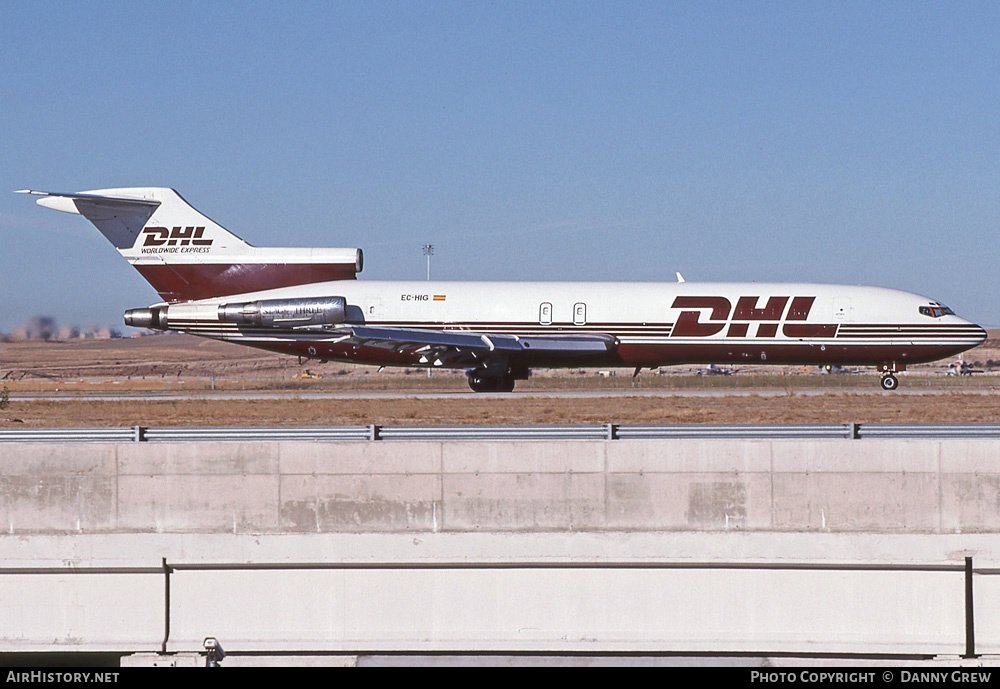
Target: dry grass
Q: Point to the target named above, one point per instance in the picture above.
(182, 363)
(826, 408)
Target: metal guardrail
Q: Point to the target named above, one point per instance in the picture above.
(849, 431)
(916, 430)
(72, 435)
(438, 433)
(763, 431)
(498, 433)
(257, 433)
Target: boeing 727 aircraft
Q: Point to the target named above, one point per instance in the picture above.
(307, 302)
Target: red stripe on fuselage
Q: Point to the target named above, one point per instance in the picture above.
(650, 355)
(191, 281)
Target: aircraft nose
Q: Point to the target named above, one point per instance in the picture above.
(973, 331)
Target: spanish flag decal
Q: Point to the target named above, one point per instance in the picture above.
(439, 297)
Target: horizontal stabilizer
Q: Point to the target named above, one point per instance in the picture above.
(186, 256)
(119, 218)
(84, 196)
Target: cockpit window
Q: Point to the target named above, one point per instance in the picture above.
(936, 310)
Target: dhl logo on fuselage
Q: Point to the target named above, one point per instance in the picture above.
(176, 236)
(767, 317)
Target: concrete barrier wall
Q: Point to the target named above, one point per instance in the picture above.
(462, 546)
(575, 610)
(875, 486)
(544, 592)
(80, 612)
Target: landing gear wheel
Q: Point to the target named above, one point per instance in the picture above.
(889, 382)
(483, 383)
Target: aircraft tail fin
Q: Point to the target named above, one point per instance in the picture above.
(185, 255)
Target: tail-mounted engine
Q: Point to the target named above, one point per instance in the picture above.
(154, 318)
(264, 313)
(286, 313)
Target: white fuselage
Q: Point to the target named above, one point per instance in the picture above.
(308, 302)
(654, 323)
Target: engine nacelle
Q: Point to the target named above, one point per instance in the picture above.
(286, 313)
(155, 318)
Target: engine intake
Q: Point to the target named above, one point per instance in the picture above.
(286, 313)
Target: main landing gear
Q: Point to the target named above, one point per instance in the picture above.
(481, 382)
(496, 377)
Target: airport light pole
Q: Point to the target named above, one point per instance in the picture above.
(428, 252)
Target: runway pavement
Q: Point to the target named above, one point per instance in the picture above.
(458, 394)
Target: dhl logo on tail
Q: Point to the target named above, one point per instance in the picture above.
(177, 236)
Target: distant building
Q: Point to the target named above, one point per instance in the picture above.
(42, 328)
(68, 332)
(45, 328)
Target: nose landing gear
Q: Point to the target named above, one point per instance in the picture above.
(889, 380)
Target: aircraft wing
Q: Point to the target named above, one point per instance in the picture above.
(454, 347)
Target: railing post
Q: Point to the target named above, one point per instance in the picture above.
(970, 617)
(166, 605)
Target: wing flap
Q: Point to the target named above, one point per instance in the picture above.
(480, 344)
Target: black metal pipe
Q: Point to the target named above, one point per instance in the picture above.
(166, 606)
(970, 617)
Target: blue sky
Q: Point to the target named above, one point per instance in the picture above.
(854, 142)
